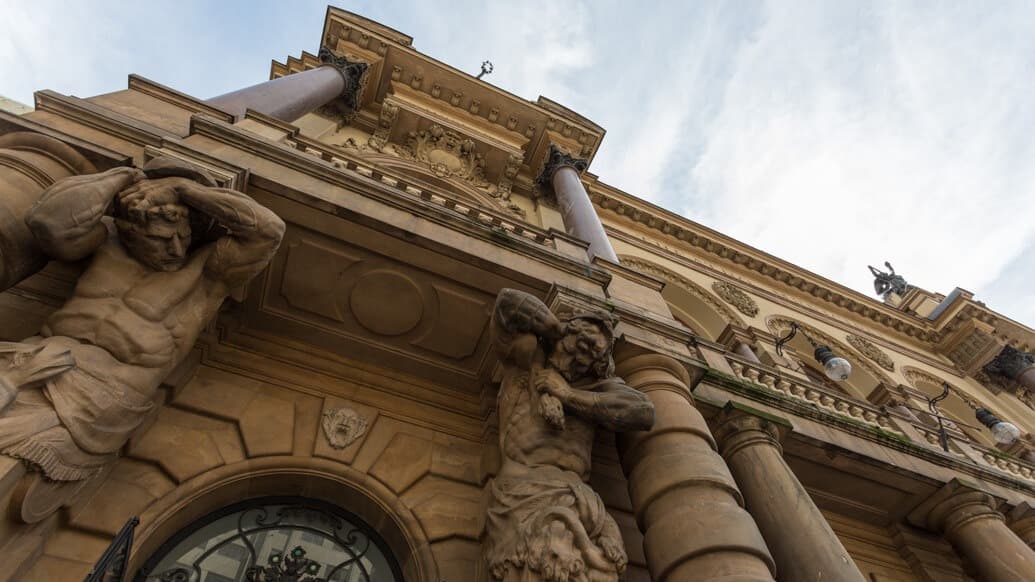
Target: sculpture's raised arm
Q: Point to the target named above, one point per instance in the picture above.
(519, 322)
(253, 231)
(66, 220)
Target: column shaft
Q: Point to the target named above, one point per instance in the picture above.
(285, 98)
(779, 503)
(577, 212)
(968, 519)
(685, 500)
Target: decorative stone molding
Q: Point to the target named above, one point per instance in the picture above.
(447, 153)
(693, 288)
(734, 296)
(871, 351)
(342, 426)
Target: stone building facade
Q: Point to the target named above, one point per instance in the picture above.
(345, 406)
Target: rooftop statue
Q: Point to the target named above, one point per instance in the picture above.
(886, 283)
(161, 266)
(545, 523)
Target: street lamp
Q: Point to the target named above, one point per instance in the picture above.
(835, 367)
(1003, 432)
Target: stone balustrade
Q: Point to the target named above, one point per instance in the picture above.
(484, 216)
(815, 394)
(823, 398)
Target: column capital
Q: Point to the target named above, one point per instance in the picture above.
(1022, 521)
(556, 159)
(740, 426)
(955, 505)
(1009, 362)
(352, 72)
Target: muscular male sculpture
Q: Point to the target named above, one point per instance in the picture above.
(545, 523)
(71, 396)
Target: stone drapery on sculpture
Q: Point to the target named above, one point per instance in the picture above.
(161, 267)
(545, 523)
(887, 283)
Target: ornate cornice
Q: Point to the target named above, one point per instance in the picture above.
(684, 231)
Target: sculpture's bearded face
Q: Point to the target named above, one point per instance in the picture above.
(584, 350)
(158, 236)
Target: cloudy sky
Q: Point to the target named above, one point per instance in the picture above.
(831, 134)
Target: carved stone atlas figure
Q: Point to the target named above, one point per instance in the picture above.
(161, 267)
(545, 523)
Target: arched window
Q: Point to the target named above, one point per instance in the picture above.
(277, 538)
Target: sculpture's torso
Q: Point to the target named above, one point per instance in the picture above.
(527, 441)
(146, 320)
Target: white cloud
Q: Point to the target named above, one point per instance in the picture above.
(831, 134)
(847, 137)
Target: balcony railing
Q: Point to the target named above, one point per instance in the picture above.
(427, 193)
(805, 391)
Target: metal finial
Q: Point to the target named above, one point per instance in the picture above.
(486, 69)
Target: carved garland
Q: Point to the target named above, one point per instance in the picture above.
(780, 325)
(871, 351)
(734, 296)
(691, 287)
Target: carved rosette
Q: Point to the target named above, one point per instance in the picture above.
(447, 153)
(355, 80)
(871, 351)
(735, 297)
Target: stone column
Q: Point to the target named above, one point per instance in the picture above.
(290, 97)
(29, 163)
(750, 443)
(684, 498)
(1013, 365)
(966, 516)
(1022, 521)
(562, 173)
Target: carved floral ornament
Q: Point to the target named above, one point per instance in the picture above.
(871, 351)
(735, 297)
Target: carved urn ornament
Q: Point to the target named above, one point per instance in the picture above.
(71, 396)
(545, 523)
